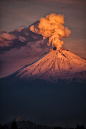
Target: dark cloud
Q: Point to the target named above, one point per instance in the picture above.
(17, 39)
(16, 58)
(6, 39)
(20, 51)
(22, 39)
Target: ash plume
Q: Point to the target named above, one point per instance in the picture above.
(52, 27)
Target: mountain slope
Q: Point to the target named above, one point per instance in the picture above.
(30, 93)
(55, 65)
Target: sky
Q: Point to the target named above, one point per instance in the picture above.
(19, 47)
(16, 14)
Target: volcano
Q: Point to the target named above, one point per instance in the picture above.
(51, 89)
(55, 65)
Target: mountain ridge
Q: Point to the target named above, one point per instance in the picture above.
(55, 65)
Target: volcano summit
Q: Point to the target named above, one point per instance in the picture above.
(56, 64)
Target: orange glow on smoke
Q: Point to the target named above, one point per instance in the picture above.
(52, 26)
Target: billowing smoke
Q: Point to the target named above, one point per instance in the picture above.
(52, 27)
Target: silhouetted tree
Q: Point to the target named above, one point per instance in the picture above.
(14, 125)
(4, 127)
(58, 127)
(80, 127)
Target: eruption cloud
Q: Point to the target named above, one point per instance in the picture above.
(52, 27)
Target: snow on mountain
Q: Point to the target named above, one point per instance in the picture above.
(55, 65)
(30, 93)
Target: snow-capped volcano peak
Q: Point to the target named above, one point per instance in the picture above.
(54, 65)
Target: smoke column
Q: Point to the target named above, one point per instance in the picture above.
(52, 27)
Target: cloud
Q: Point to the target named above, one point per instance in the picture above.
(17, 39)
(22, 39)
(7, 36)
(5, 43)
(6, 39)
(19, 29)
(27, 34)
(16, 58)
(52, 27)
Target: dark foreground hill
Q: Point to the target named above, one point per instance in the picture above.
(43, 102)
